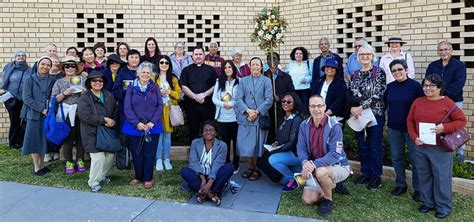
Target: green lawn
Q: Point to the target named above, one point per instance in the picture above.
(17, 168)
(380, 205)
(362, 205)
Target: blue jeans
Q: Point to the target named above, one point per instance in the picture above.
(371, 150)
(397, 140)
(164, 143)
(435, 172)
(286, 163)
(460, 151)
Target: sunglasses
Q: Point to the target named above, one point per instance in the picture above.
(67, 66)
(286, 102)
(357, 46)
(397, 70)
(164, 63)
(97, 80)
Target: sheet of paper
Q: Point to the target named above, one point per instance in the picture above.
(427, 134)
(270, 148)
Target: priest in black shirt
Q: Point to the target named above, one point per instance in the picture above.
(197, 82)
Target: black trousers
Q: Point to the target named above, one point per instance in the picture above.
(17, 130)
(228, 132)
(196, 115)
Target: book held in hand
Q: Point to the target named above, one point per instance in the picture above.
(75, 83)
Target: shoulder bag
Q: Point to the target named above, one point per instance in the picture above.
(453, 141)
(56, 132)
(107, 139)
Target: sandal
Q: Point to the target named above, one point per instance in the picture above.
(256, 174)
(216, 199)
(200, 197)
(247, 173)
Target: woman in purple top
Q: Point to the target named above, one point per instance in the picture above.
(143, 107)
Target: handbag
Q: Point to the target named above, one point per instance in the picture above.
(264, 122)
(56, 132)
(106, 139)
(453, 141)
(176, 116)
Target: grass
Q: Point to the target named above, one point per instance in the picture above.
(361, 205)
(18, 168)
(380, 205)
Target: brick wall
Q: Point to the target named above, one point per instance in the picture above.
(31, 24)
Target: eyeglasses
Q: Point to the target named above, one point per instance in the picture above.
(164, 63)
(97, 80)
(397, 70)
(431, 86)
(365, 54)
(357, 46)
(286, 102)
(319, 106)
(67, 66)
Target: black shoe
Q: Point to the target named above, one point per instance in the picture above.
(399, 191)
(374, 184)
(416, 196)
(342, 189)
(440, 215)
(361, 180)
(425, 209)
(41, 172)
(325, 207)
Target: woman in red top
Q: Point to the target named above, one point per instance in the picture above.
(434, 165)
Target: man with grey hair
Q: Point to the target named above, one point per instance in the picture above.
(352, 63)
(324, 46)
(213, 59)
(454, 76)
(51, 50)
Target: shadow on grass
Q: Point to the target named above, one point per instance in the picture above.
(18, 168)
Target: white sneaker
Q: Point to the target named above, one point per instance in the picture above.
(47, 157)
(168, 165)
(159, 165)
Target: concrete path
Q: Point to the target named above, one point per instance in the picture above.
(20, 202)
(258, 196)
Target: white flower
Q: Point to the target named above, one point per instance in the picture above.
(264, 27)
(268, 37)
(273, 17)
(279, 36)
(275, 28)
(267, 21)
(260, 33)
(256, 25)
(269, 12)
(272, 32)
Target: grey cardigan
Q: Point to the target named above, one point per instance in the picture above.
(219, 154)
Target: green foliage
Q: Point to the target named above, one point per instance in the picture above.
(463, 170)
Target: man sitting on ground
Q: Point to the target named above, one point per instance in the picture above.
(320, 148)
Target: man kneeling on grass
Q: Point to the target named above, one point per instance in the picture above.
(321, 151)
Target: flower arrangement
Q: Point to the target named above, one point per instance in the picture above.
(269, 27)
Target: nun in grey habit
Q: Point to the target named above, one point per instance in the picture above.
(254, 98)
